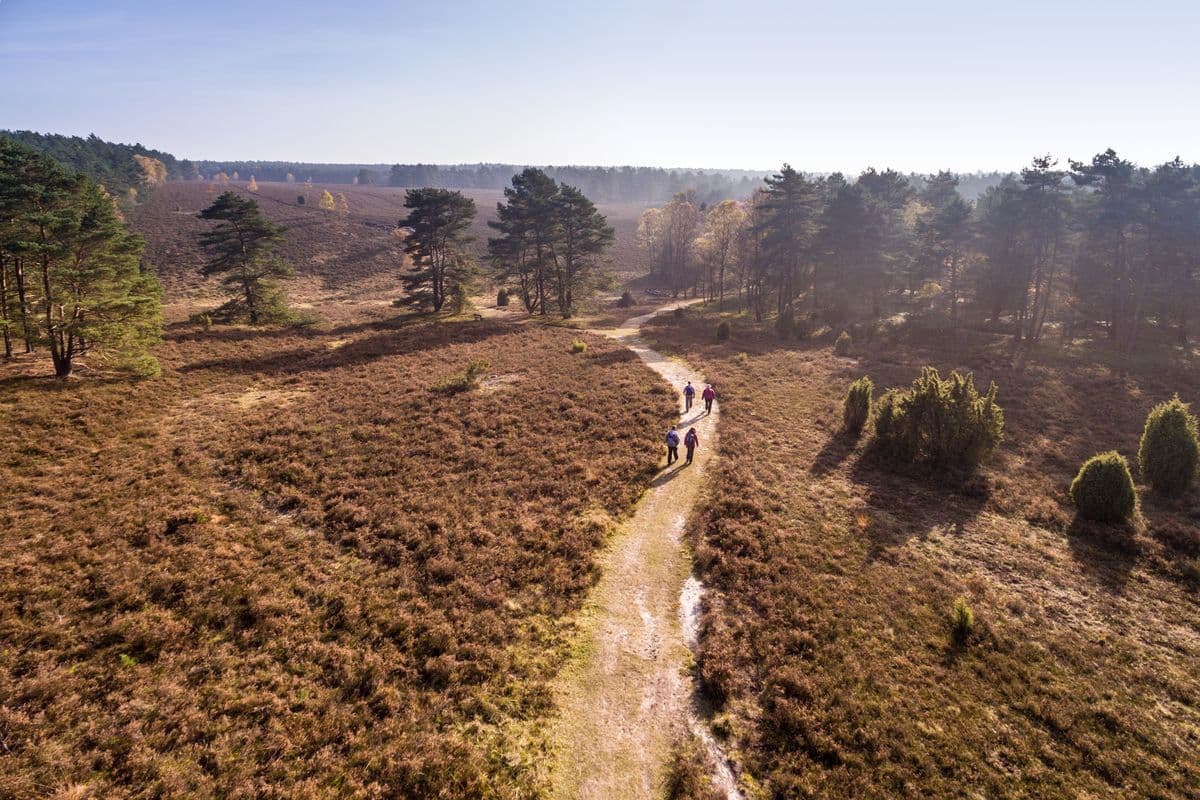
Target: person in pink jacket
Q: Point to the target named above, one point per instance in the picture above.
(691, 442)
(709, 395)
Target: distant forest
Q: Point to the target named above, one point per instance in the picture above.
(114, 166)
(602, 184)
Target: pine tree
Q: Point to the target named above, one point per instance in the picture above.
(528, 223)
(89, 292)
(242, 248)
(437, 243)
(584, 235)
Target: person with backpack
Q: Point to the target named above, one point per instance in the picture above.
(691, 442)
(672, 446)
(709, 395)
(689, 392)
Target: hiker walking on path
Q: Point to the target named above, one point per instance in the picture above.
(672, 446)
(689, 392)
(709, 395)
(691, 442)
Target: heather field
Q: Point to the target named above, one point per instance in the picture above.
(826, 644)
(301, 564)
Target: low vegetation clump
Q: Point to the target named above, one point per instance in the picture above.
(1169, 450)
(464, 380)
(1103, 490)
(626, 300)
(856, 408)
(578, 346)
(962, 620)
(723, 331)
(502, 298)
(940, 422)
(844, 344)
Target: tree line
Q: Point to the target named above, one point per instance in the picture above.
(72, 279)
(1101, 244)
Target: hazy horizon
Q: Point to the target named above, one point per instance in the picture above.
(680, 85)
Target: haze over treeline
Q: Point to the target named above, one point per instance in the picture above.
(112, 165)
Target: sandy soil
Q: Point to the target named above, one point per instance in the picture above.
(626, 698)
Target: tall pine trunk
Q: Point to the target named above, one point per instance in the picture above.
(4, 307)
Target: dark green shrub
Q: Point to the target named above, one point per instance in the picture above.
(1169, 451)
(723, 331)
(843, 344)
(856, 408)
(300, 200)
(942, 423)
(891, 435)
(679, 311)
(502, 298)
(1103, 490)
(785, 324)
(626, 300)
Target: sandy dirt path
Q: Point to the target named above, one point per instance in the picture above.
(625, 699)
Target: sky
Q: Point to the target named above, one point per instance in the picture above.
(826, 86)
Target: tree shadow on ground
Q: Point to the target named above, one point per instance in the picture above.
(909, 502)
(359, 352)
(834, 453)
(1106, 553)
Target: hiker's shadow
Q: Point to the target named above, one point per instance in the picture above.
(668, 473)
(694, 419)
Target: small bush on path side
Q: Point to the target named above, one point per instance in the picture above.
(723, 331)
(578, 346)
(1103, 490)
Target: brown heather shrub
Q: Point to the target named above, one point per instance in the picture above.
(285, 568)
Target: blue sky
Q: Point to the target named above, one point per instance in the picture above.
(825, 86)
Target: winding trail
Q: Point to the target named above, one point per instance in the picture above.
(625, 699)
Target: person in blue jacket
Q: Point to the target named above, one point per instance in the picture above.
(672, 446)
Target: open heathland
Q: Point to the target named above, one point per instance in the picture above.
(290, 566)
(877, 631)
